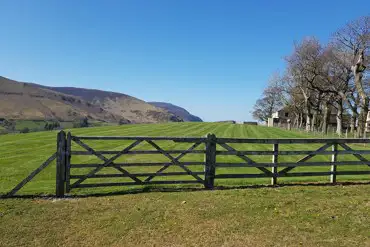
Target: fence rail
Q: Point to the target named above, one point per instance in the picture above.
(214, 148)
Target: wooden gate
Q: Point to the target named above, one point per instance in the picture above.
(276, 169)
(96, 170)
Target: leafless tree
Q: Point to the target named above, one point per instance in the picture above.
(321, 78)
(271, 101)
(352, 42)
(304, 67)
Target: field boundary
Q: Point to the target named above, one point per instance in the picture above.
(213, 148)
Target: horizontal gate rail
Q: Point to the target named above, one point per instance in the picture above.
(292, 140)
(302, 174)
(294, 164)
(262, 152)
(144, 138)
(140, 152)
(138, 164)
(137, 175)
(295, 174)
(134, 183)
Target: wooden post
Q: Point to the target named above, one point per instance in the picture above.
(333, 176)
(365, 137)
(68, 161)
(60, 168)
(210, 161)
(275, 161)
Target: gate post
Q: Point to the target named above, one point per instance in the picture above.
(210, 161)
(68, 162)
(275, 163)
(333, 176)
(61, 164)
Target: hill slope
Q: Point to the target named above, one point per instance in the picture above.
(178, 111)
(32, 101)
(131, 108)
(20, 100)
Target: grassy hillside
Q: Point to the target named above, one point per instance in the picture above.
(28, 101)
(23, 101)
(131, 108)
(21, 153)
(178, 111)
(284, 216)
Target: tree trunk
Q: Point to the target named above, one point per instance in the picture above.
(340, 117)
(308, 122)
(296, 120)
(320, 125)
(308, 115)
(354, 115)
(353, 122)
(325, 118)
(362, 118)
(357, 70)
(314, 119)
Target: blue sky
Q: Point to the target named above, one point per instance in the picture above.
(212, 57)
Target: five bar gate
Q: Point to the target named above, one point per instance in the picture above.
(211, 148)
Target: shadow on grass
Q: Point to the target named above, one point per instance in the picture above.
(181, 189)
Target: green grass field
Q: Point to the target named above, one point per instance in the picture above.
(31, 125)
(21, 153)
(285, 216)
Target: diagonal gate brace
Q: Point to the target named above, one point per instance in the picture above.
(32, 175)
(245, 158)
(358, 156)
(107, 162)
(309, 156)
(175, 160)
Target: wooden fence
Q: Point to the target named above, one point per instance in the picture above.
(213, 148)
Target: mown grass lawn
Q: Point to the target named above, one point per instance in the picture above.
(21, 153)
(284, 216)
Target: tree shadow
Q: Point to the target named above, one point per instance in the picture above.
(178, 189)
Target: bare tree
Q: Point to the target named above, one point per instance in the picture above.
(272, 100)
(305, 66)
(353, 42)
(321, 78)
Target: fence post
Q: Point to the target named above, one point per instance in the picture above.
(210, 161)
(333, 176)
(275, 161)
(61, 164)
(68, 162)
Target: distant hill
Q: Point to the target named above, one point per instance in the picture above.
(178, 111)
(19, 100)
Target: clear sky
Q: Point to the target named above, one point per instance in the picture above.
(211, 57)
